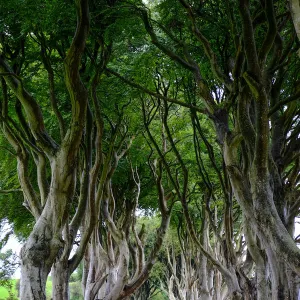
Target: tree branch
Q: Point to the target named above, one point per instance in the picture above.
(10, 191)
(77, 91)
(159, 96)
(281, 103)
(159, 45)
(271, 34)
(248, 36)
(32, 109)
(207, 48)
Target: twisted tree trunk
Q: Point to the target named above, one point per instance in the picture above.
(60, 275)
(50, 206)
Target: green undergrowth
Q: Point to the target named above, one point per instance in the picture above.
(9, 294)
(75, 291)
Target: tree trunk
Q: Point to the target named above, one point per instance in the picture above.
(95, 269)
(45, 241)
(295, 12)
(91, 288)
(205, 272)
(60, 281)
(34, 276)
(36, 261)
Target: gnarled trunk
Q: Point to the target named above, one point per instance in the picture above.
(34, 278)
(49, 206)
(37, 256)
(34, 273)
(60, 281)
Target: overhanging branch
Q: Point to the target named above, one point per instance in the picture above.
(149, 92)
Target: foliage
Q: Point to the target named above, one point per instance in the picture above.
(193, 103)
(9, 262)
(9, 292)
(76, 291)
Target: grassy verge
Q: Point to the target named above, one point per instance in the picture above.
(4, 292)
(75, 290)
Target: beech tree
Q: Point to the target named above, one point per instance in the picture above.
(214, 89)
(212, 232)
(50, 207)
(243, 59)
(75, 157)
(49, 194)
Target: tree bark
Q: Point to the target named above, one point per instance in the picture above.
(33, 275)
(60, 281)
(36, 260)
(295, 12)
(39, 252)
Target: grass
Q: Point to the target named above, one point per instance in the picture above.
(4, 292)
(75, 290)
